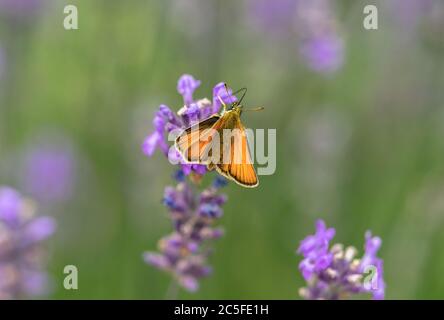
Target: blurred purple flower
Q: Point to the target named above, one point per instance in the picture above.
(372, 245)
(334, 273)
(321, 45)
(49, 172)
(323, 54)
(22, 271)
(275, 17)
(315, 250)
(181, 252)
(314, 22)
(408, 12)
(19, 8)
(166, 122)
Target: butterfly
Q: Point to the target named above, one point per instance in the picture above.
(220, 142)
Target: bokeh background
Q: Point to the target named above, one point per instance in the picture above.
(359, 118)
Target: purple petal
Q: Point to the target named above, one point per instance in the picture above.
(323, 262)
(191, 114)
(205, 107)
(174, 156)
(215, 233)
(169, 116)
(35, 283)
(307, 269)
(187, 168)
(10, 204)
(226, 95)
(307, 245)
(157, 260)
(372, 244)
(186, 86)
(210, 210)
(317, 244)
(39, 229)
(189, 283)
(159, 123)
(193, 246)
(199, 168)
(151, 142)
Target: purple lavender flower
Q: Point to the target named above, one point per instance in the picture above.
(182, 253)
(334, 273)
(166, 122)
(409, 12)
(315, 249)
(314, 22)
(19, 8)
(49, 172)
(226, 96)
(372, 245)
(321, 45)
(274, 17)
(22, 271)
(324, 53)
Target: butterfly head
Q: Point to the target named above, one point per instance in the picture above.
(236, 106)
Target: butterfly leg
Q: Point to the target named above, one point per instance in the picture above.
(223, 103)
(211, 166)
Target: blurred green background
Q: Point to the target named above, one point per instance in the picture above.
(361, 147)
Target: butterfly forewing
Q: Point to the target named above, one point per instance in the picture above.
(194, 142)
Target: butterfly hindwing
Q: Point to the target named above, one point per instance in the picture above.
(239, 167)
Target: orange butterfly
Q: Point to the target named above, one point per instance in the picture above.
(220, 142)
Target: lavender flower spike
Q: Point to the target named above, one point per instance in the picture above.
(315, 249)
(334, 272)
(322, 46)
(49, 171)
(193, 215)
(22, 272)
(182, 253)
(372, 245)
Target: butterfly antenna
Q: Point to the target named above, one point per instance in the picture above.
(243, 95)
(255, 109)
(244, 92)
(227, 91)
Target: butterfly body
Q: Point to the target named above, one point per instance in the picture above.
(220, 142)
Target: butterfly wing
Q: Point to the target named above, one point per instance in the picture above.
(234, 162)
(239, 167)
(195, 140)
